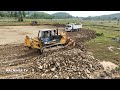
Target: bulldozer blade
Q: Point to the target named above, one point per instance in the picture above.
(27, 42)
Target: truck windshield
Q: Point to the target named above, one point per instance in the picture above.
(68, 26)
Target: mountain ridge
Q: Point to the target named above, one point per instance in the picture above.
(104, 17)
(62, 15)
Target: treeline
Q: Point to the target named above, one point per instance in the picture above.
(40, 15)
(17, 14)
(12, 13)
(20, 15)
(104, 17)
(34, 15)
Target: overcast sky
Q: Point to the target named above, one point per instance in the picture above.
(85, 13)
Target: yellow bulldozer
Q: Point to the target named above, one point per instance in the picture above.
(33, 23)
(48, 38)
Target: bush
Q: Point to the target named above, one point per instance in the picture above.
(99, 34)
(118, 68)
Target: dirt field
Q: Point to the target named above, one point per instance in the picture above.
(16, 34)
(17, 61)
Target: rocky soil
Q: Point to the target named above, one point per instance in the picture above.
(19, 62)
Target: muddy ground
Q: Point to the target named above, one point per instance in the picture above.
(19, 62)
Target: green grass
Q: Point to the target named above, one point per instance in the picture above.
(14, 22)
(99, 45)
(118, 68)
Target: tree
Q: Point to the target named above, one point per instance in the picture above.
(1, 14)
(117, 21)
(20, 16)
(28, 13)
(11, 14)
(15, 14)
(24, 14)
(8, 13)
(115, 18)
(35, 15)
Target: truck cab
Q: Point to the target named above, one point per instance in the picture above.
(73, 27)
(68, 27)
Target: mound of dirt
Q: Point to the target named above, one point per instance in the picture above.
(67, 64)
(71, 64)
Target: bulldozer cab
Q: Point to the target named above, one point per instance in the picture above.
(47, 33)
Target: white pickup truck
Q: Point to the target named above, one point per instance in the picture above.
(73, 27)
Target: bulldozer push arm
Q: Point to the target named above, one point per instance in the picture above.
(27, 42)
(66, 40)
(33, 43)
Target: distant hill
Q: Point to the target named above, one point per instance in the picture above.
(30, 12)
(62, 15)
(105, 17)
(40, 15)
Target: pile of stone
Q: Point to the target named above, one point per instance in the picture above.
(68, 64)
